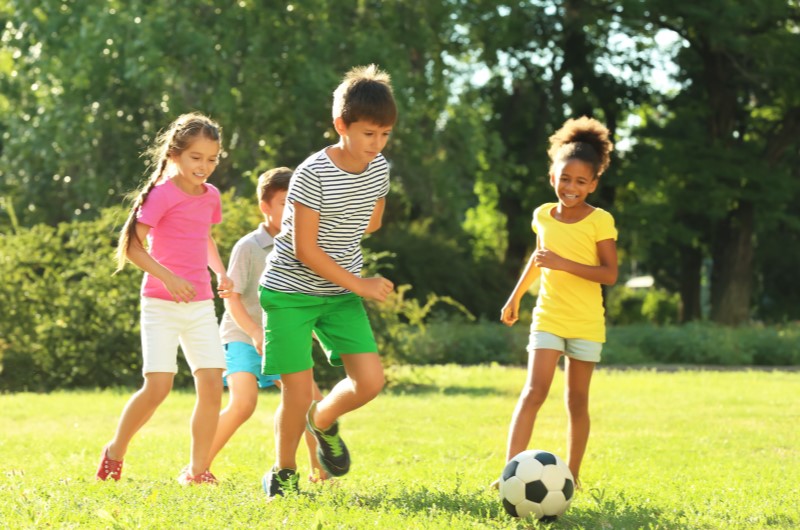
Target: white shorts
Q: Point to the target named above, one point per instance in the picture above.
(193, 325)
(580, 349)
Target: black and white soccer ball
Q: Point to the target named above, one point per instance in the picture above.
(537, 484)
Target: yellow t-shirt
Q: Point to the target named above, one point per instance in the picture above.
(569, 306)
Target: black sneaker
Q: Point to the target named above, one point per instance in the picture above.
(280, 482)
(331, 450)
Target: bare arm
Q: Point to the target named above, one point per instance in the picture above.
(181, 289)
(510, 312)
(604, 273)
(376, 219)
(306, 231)
(224, 283)
(242, 318)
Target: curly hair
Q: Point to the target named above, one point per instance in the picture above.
(584, 139)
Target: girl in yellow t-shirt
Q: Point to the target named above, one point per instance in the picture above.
(575, 253)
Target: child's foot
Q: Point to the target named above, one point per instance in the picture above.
(319, 476)
(331, 451)
(495, 485)
(108, 467)
(280, 482)
(186, 478)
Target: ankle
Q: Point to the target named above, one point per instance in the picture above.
(113, 453)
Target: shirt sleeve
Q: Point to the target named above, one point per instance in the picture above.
(606, 228)
(384, 185)
(306, 188)
(155, 206)
(239, 266)
(535, 220)
(216, 213)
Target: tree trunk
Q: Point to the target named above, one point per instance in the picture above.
(732, 270)
(690, 278)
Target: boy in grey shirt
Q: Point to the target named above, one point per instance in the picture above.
(242, 325)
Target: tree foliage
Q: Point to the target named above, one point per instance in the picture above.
(704, 174)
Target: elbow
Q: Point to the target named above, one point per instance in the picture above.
(304, 255)
(611, 280)
(373, 227)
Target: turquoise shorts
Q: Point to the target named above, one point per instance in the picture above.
(579, 349)
(243, 357)
(339, 322)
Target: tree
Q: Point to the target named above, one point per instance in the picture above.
(732, 132)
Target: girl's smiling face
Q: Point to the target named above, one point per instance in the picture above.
(195, 164)
(573, 180)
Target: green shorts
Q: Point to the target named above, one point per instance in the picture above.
(340, 323)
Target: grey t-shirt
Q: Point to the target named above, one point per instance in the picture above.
(245, 267)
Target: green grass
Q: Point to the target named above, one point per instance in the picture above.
(668, 450)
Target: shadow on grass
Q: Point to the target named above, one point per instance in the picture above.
(412, 388)
(602, 511)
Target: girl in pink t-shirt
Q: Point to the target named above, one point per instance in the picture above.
(173, 213)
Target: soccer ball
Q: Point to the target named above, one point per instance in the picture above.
(538, 484)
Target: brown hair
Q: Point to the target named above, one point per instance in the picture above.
(274, 180)
(171, 142)
(584, 139)
(365, 93)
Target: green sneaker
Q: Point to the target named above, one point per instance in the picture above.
(280, 482)
(331, 450)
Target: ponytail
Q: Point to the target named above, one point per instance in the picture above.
(128, 231)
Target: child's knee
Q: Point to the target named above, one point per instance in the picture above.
(532, 397)
(243, 408)
(156, 390)
(577, 402)
(369, 388)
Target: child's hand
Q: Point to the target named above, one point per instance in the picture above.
(510, 313)
(224, 286)
(181, 289)
(257, 337)
(547, 259)
(376, 288)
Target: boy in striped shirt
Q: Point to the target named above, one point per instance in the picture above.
(312, 283)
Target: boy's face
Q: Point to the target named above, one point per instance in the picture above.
(273, 211)
(363, 140)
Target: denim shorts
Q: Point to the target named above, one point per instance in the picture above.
(243, 357)
(579, 349)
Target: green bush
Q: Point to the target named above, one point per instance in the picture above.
(461, 342)
(704, 344)
(626, 306)
(67, 321)
(436, 264)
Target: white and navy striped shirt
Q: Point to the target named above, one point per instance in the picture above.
(345, 202)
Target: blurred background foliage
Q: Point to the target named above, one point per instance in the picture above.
(701, 98)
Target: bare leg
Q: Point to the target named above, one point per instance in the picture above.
(243, 397)
(363, 383)
(290, 418)
(576, 394)
(541, 369)
(317, 472)
(208, 384)
(138, 410)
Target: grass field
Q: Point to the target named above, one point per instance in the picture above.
(683, 449)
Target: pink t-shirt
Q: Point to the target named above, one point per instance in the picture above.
(180, 225)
